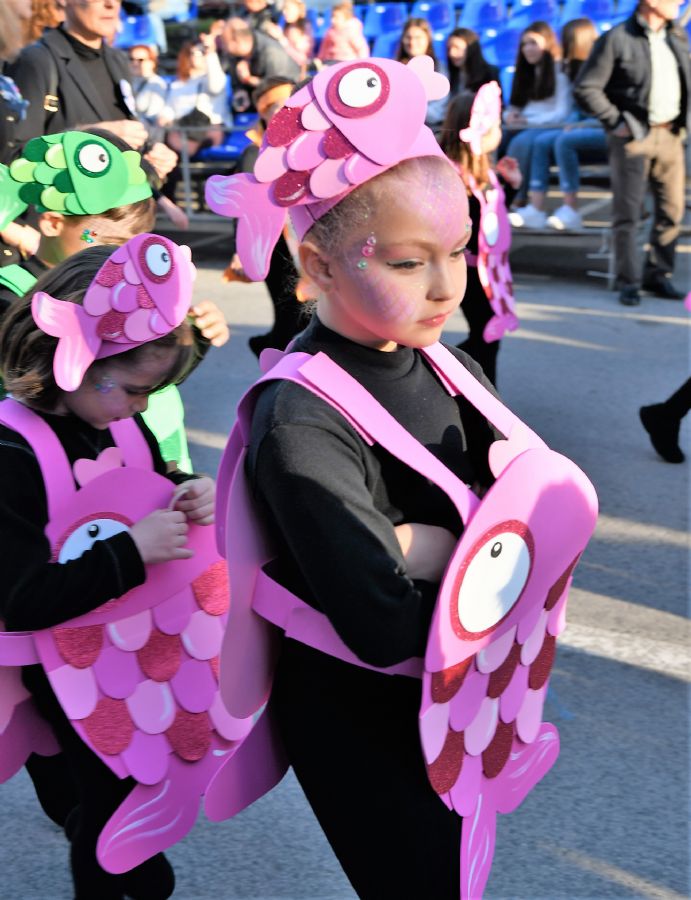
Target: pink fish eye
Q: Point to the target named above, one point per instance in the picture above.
(360, 90)
(492, 578)
(156, 259)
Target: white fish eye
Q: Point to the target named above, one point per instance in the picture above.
(360, 87)
(493, 580)
(85, 536)
(93, 159)
(158, 261)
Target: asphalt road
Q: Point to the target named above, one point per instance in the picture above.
(612, 818)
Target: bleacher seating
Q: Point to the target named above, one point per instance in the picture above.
(143, 29)
(382, 17)
(441, 16)
(487, 17)
(502, 50)
(524, 12)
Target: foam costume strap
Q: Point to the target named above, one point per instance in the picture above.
(73, 173)
(141, 292)
(501, 605)
(351, 122)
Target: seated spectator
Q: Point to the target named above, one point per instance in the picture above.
(578, 37)
(344, 39)
(299, 44)
(197, 99)
(253, 58)
(149, 89)
(261, 15)
(417, 40)
(467, 68)
(541, 96)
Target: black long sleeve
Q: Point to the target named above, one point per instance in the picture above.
(332, 502)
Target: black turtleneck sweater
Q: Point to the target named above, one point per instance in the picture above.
(331, 502)
(35, 593)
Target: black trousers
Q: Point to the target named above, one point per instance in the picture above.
(477, 311)
(352, 738)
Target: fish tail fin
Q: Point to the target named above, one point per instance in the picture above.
(478, 837)
(260, 221)
(78, 342)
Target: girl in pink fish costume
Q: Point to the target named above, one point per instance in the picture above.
(356, 465)
(114, 598)
(471, 132)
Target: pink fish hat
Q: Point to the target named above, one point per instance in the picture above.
(484, 115)
(353, 121)
(142, 292)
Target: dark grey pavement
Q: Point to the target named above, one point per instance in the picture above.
(612, 818)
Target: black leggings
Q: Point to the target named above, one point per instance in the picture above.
(477, 311)
(99, 793)
(352, 739)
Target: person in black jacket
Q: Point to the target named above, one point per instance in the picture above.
(637, 82)
(73, 79)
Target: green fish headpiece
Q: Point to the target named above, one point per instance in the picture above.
(74, 173)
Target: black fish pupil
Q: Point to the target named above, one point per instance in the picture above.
(371, 82)
(102, 157)
(93, 531)
(496, 550)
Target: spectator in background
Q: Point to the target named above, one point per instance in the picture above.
(72, 78)
(637, 82)
(261, 15)
(197, 98)
(295, 34)
(44, 14)
(149, 89)
(578, 37)
(253, 57)
(540, 97)
(467, 68)
(417, 40)
(16, 240)
(344, 39)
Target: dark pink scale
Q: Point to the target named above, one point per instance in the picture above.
(111, 325)
(110, 274)
(190, 735)
(284, 127)
(444, 771)
(542, 664)
(143, 298)
(212, 589)
(495, 756)
(447, 683)
(79, 646)
(290, 188)
(109, 727)
(336, 145)
(500, 678)
(160, 657)
(215, 664)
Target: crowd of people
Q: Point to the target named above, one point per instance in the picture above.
(386, 189)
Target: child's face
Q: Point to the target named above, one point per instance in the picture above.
(338, 18)
(63, 236)
(415, 41)
(456, 48)
(112, 391)
(415, 272)
(533, 47)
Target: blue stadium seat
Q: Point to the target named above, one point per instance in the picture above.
(382, 17)
(439, 39)
(483, 16)
(441, 16)
(524, 12)
(139, 30)
(386, 44)
(506, 80)
(230, 150)
(502, 49)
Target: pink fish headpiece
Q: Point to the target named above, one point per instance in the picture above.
(141, 292)
(353, 121)
(485, 114)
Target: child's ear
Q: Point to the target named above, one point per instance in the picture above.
(51, 224)
(315, 265)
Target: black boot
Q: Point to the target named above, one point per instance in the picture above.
(663, 429)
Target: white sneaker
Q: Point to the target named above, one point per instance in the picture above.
(565, 219)
(528, 217)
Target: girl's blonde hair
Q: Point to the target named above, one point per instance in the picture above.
(26, 352)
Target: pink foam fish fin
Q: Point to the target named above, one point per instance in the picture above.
(465, 793)
(494, 330)
(687, 301)
(434, 725)
(123, 297)
(557, 617)
(152, 817)
(78, 342)
(251, 770)
(359, 169)
(260, 221)
(491, 657)
(436, 85)
(312, 118)
(305, 153)
(479, 733)
(26, 732)
(147, 757)
(512, 698)
(271, 164)
(466, 703)
(328, 179)
(85, 470)
(501, 453)
(527, 764)
(97, 300)
(534, 641)
(139, 325)
(529, 718)
(477, 848)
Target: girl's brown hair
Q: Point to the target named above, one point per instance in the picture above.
(44, 14)
(577, 39)
(184, 64)
(423, 24)
(539, 81)
(458, 117)
(26, 352)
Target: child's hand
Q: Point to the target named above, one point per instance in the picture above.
(211, 322)
(514, 117)
(426, 549)
(161, 536)
(510, 171)
(196, 498)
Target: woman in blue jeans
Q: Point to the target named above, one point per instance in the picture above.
(568, 144)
